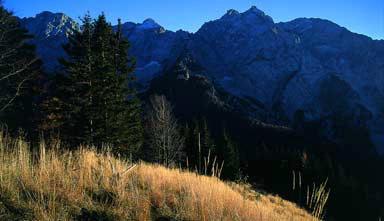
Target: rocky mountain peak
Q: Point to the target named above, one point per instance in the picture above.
(253, 14)
(50, 31)
(149, 23)
(231, 12)
(258, 15)
(46, 14)
(251, 21)
(47, 24)
(255, 10)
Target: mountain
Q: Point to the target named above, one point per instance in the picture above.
(153, 47)
(51, 31)
(307, 67)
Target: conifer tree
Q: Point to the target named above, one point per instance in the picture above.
(230, 155)
(97, 103)
(127, 122)
(19, 74)
(68, 107)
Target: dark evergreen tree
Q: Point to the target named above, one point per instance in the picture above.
(96, 103)
(127, 123)
(68, 107)
(230, 154)
(19, 75)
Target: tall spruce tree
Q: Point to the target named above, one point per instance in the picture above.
(98, 105)
(126, 122)
(67, 107)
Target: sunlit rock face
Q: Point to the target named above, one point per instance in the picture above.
(309, 65)
(51, 31)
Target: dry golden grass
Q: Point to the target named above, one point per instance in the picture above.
(85, 185)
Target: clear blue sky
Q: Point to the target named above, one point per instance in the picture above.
(361, 16)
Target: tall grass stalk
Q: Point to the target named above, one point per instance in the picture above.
(316, 195)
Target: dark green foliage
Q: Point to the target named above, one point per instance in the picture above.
(230, 155)
(127, 123)
(19, 74)
(68, 106)
(93, 101)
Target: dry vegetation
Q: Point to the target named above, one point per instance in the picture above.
(85, 185)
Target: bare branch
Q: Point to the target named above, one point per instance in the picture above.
(165, 138)
(19, 86)
(16, 66)
(18, 71)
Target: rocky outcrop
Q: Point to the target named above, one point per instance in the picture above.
(153, 47)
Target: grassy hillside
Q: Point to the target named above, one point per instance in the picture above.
(86, 185)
